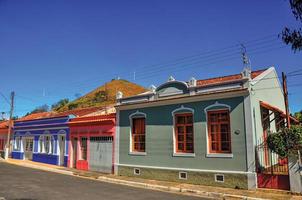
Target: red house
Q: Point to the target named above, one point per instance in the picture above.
(91, 143)
(3, 137)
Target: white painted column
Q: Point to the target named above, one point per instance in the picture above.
(116, 142)
(250, 143)
(295, 175)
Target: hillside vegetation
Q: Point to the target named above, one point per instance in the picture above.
(104, 95)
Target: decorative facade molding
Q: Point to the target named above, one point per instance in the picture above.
(182, 108)
(216, 104)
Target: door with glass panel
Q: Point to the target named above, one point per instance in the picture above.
(28, 147)
(61, 139)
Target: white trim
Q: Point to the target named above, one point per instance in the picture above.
(184, 154)
(190, 110)
(219, 155)
(185, 169)
(139, 171)
(116, 142)
(219, 88)
(262, 75)
(171, 93)
(34, 129)
(215, 177)
(133, 116)
(171, 82)
(179, 175)
(41, 138)
(182, 108)
(216, 104)
(137, 153)
(250, 141)
(61, 132)
(137, 113)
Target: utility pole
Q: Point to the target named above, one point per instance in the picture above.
(10, 123)
(285, 94)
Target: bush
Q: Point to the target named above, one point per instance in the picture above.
(286, 142)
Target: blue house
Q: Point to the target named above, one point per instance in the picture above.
(42, 138)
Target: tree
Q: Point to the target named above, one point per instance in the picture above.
(42, 108)
(293, 37)
(57, 106)
(298, 115)
(286, 142)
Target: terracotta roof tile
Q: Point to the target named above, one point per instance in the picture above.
(91, 119)
(224, 79)
(3, 124)
(37, 116)
(80, 112)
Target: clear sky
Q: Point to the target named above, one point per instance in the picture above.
(55, 49)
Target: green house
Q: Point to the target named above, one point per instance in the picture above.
(200, 131)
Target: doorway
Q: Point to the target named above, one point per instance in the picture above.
(61, 149)
(75, 152)
(28, 148)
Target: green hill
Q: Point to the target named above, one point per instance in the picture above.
(104, 95)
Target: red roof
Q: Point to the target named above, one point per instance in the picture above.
(275, 109)
(80, 112)
(77, 112)
(225, 79)
(4, 125)
(37, 116)
(100, 119)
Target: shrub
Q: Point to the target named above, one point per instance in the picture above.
(286, 142)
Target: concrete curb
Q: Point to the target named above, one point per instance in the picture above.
(199, 193)
(41, 168)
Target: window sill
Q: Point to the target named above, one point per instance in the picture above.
(184, 154)
(138, 153)
(219, 155)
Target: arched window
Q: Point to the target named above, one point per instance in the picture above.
(48, 144)
(218, 128)
(41, 144)
(138, 132)
(17, 143)
(183, 118)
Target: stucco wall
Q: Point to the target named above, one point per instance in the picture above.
(199, 178)
(159, 138)
(268, 90)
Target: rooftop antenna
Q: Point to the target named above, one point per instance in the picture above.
(247, 69)
(245, 59)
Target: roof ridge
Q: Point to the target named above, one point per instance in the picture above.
(230, 75)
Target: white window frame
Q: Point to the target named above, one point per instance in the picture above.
(182, 172)
(212, 108)
(218, 181)
(182, 109)
(50, 143)
(41, 148)
(139, 171)
(17, 143)
(132, 116)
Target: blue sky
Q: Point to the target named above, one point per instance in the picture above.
(54, 49)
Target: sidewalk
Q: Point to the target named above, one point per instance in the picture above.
(187, 189)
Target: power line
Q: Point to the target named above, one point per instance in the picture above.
(5, 98)
(175, 62)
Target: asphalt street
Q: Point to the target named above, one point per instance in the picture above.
(21, 183)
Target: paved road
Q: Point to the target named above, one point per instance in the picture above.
(21, 183)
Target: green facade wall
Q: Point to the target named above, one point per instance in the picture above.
(159, 138)
(198, 178)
